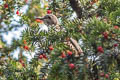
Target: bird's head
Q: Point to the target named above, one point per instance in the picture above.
(49, 20)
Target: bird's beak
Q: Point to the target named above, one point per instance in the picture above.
(40, 18)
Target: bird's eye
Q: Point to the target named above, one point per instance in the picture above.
(49, 17)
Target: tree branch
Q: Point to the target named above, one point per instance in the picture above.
(76, 7)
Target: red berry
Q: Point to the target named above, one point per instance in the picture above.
(63, 55)
(100, 49)
(39, 21)
(17, 12)
(44, 56)
(26, 47)
(49, 11)
(102, 74)
(116, 27)
(51, 48)
(21, 61)
(41, 56)
(71, 66)
(115, 45)
(24, 41)
(23, 64)
(69, 53)
(105, 34)
(26, 1)
(5, 5)
(106, 76)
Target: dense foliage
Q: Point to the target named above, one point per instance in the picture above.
(95, 24)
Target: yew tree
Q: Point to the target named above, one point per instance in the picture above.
(93, 24)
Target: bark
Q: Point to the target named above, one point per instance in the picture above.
(76, 7)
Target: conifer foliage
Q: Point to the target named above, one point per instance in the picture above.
(94, 24)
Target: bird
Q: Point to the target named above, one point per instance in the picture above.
(51, 19)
